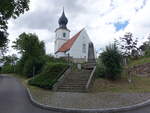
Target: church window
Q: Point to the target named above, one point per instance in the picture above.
(84, 48)
(64, 34)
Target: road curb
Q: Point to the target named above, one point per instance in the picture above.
(74, 110)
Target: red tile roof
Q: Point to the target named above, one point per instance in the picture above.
(66, 46)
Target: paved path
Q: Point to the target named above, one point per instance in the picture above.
(140, 110)
(14, 99)
(88, 100)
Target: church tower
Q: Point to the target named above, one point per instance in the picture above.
(62, 33)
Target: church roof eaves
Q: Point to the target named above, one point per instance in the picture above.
(66, 46)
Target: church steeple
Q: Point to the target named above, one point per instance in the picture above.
(63, 21)
(62, 32)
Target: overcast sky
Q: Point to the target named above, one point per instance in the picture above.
(103, 20)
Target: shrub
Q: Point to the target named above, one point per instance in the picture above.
(28, 68)
(112, 59)
(19, 67)
(49, 75)
(100, 69)
(50, 58)
(147, 52)
(8, 68)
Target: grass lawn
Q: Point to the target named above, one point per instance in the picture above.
(139, 61)
(138, 84)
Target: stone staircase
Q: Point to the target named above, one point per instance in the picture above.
(89, 65)
(75, 81)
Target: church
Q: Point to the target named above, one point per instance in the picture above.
(79, 47)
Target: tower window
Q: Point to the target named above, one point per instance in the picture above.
(64, 34)
(84, 48)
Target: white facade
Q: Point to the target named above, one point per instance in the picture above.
(79, 49)
(61, 36)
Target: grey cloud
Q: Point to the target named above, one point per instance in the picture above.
(46, 18)
(71, 5)
(142, 6)
(41, 19)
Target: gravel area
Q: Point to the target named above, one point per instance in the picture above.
(89, 100)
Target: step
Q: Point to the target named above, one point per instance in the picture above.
(71, 88)
(73, 85)
(77, 79)
(83, 74)
(65, 87)
(70, 79)
(79, 83)
(74, 81)
(79, 75)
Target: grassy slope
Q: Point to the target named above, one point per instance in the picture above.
(139, 61)
(49, 76)
(138, 84)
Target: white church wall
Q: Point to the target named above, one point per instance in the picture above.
(77, 49)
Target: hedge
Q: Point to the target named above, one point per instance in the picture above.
(48, 77)
(8, 68)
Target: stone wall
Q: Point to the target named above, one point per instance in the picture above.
(141, 70)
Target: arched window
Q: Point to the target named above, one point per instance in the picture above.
(84, 48)
(64, 34)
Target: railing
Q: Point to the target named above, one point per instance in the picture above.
(91, 78)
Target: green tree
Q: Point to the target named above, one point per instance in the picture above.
(9, 59)
(9, 63)
(145, 47)
(9, 9)
(29, 45)
(32, 51)
(3, 43)
(112, 60)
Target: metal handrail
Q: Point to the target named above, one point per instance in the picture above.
(91, 76)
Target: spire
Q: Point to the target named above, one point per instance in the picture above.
(63, 20)
(63, 9)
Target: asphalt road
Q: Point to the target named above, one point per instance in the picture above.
(14, 99)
